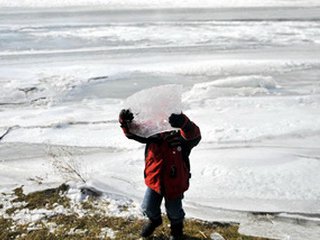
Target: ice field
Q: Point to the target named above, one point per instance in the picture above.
(251, 81)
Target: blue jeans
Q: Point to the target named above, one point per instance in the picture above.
(151, 207)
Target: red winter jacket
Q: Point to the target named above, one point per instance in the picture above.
(167, 166)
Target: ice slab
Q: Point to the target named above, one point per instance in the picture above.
(152, 107)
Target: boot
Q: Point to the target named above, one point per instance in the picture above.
(177, 231)
(150, 226)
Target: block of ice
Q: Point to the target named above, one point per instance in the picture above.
(152, 108)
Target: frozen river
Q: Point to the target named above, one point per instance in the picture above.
(251, 81)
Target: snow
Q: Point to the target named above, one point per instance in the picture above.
(107, 232)
(249, 80)
(273, 229)
(216, 236)
(158, 3)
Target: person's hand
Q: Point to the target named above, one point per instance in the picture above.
(177, 120)
(125, 116)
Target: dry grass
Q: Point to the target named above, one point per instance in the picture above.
(72, 226)
(43, 199)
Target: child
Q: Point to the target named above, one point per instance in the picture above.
(167, 170)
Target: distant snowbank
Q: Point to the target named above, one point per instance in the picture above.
(239, 82)
(231, 86)
(159, 3)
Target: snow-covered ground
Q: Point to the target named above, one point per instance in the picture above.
(158, 3)
(251, 81)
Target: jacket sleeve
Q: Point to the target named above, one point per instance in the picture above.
(190, 132)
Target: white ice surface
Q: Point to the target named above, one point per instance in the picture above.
(157, 3)
(255, 97)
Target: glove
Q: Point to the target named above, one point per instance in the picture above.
(177, 120)
(125, 117)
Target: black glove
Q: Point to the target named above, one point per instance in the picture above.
(125, 117)
(177, 120)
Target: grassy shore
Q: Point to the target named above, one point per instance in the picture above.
(88, 220)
